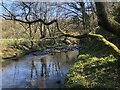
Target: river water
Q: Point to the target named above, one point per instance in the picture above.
(38, 71)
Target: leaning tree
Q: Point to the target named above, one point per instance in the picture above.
(104, 20)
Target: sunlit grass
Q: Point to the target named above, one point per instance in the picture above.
(93, 72)
(95, 68)
(10, 47)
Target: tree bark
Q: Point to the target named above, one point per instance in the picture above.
(82, 4)
(105, 21)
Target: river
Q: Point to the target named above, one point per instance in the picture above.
(38, 71)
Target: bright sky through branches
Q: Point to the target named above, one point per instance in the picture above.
(66, 0)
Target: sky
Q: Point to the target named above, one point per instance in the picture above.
(64, 0)
(0, 8)
(10, 1)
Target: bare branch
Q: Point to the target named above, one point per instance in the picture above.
(70, 10)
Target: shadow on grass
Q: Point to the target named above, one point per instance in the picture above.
(95, 68)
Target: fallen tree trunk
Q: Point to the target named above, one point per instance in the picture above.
(106, 42)
(99, 38)
(96, 36)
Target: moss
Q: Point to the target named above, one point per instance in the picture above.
(95, 68)
(114, 24)
(76, 82)
(106, 42)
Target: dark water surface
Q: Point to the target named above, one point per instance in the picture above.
(40, 71)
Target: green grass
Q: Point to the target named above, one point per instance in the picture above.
(95, 68)
(12, 46)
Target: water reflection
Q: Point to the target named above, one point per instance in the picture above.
(46, 71)
(43, 67)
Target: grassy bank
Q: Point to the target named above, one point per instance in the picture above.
(95, 68)
(15, 48)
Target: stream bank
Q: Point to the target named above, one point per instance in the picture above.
(17, 54)
(95, 68)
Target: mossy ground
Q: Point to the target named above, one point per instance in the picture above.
(95, 68)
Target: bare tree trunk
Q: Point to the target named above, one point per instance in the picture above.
(106, 21)
(82, 4)
(31, 39)
(48, 28)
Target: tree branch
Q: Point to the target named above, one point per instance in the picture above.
(30, 22)
(106, 42)
(115, 30)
